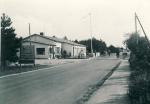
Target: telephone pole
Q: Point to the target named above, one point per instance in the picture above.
(135, 23)
(137, 18)
(89, 15)
(30, 34)
(91, 32)
(137, 40)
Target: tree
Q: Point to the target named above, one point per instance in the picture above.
(64, 53)
(132, 42)
(65, 38)
(76, 41)
(87, 43)
(112, 49)
(98, 45)
(10, 43)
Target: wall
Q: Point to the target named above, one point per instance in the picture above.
(40, 39)
(74, 50)
(37, 45)
(55, 49)
(68, 48)
(78, 50)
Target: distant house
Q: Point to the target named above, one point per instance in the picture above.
(53, 47)
(72, 49)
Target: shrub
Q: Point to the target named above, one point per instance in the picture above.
(139, 85)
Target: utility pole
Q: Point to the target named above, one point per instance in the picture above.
(137, 40)
(91, 32)
(90, 27)
(142, 27)
(135, 23)
(30, 34)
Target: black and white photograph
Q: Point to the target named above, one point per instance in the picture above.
(75, 52)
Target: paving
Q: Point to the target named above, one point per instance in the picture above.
(63, 84)
(39, 64)
(57, 61)
(44, 63)
(115, 88)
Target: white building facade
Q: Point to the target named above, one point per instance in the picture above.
(52, 47)
(44, 47)
(74, 50)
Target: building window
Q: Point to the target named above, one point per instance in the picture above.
(40, 51)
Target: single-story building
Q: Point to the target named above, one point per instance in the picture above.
(53, 47)
(72, 49)
(44, 47)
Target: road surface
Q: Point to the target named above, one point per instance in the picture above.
(63, 84)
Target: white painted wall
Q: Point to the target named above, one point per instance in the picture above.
(74, 50)
(58, 45)
(37, 45)
(78, 50)
(40, 39)
(68, 48)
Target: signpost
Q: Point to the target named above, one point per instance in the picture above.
(27, 55)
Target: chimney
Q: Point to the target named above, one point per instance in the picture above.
(42, 33)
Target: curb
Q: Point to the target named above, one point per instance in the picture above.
(83, 99)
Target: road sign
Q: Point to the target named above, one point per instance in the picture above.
(27, 54)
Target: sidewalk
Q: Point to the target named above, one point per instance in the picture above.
(114, 90)
(57, 61)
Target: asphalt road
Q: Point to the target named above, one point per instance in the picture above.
(63, 84)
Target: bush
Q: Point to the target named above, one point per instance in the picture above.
(139, 85)
(139, 91)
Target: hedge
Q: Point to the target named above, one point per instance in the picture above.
(139, 85)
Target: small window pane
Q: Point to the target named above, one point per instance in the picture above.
(40, 51)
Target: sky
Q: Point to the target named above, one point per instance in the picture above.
(110, 19)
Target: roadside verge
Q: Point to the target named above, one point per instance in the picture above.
(40, 65)
(93, 88)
